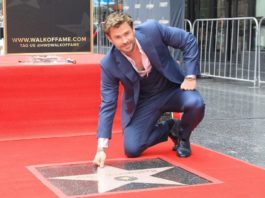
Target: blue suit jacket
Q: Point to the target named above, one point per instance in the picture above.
(154, 38)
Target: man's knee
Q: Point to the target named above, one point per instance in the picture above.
(200, 105)
(198, 110)
(195, 107)
(132, 150)
(196, 103)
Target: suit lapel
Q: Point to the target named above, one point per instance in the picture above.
(125, 66)
(149, 49)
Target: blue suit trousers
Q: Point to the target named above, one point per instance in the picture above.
(142, 132)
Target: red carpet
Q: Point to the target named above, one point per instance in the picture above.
(44, 100)
(238, 178)
(48, 114)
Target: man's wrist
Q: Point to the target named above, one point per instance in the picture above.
(190, 77)
(103, 142)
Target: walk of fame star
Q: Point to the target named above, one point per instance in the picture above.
(110, 178)
(83, 178)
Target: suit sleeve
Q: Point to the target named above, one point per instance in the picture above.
(186, 42)
(109, 95)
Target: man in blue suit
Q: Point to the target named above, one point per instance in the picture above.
(153, 83)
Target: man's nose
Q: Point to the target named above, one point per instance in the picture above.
(124, 40)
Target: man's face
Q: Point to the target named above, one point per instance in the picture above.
(123, 38)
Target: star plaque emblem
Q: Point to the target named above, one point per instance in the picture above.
(83, 178)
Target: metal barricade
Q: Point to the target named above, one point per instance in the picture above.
(261, 51)
(228, 47)
(101, 43)
(188, 26)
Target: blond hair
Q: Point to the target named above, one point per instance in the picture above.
(115, 20)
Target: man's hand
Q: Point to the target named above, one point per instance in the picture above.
(100, 158)
(189, 84)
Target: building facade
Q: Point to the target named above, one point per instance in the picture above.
(200, 9)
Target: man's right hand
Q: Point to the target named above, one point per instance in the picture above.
(100, 158)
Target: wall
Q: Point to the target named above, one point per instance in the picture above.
(260, 7)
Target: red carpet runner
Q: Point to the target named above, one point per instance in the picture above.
(48, 115)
